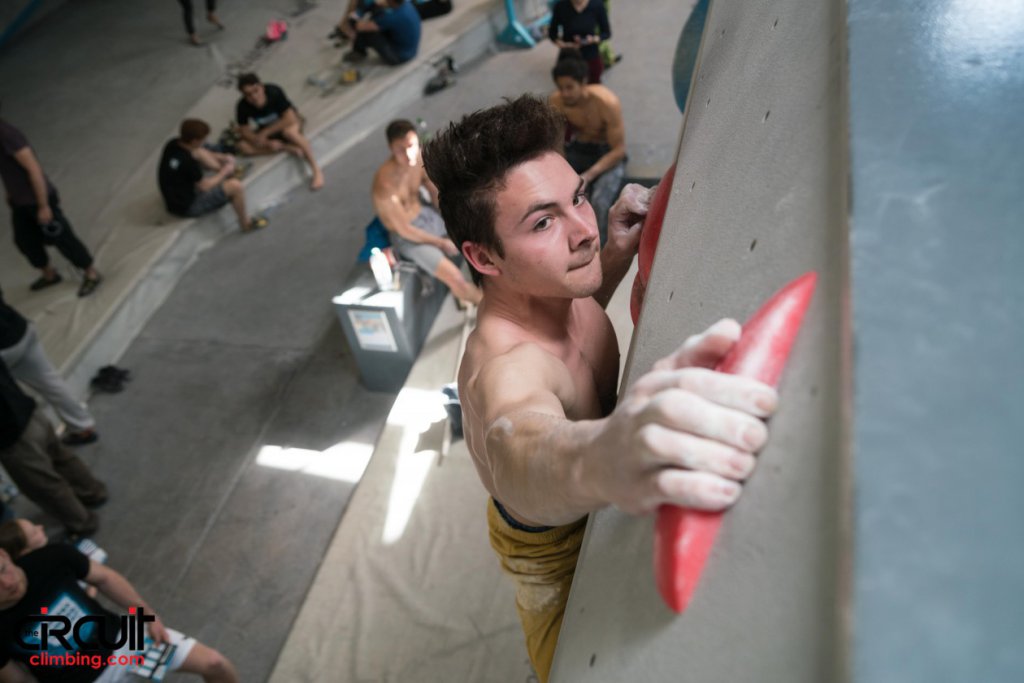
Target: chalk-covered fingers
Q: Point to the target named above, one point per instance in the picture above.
(687, 412)
(698, 490)
(664, 447)
(626, 217)
(731, 391)
(706, 349)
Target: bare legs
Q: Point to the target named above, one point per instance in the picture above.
(294, 143)
(466, 292)
(210, 664)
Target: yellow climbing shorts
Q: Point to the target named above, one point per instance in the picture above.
(541, 562)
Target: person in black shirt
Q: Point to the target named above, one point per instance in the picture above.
(36, 215)
(581, 24)
(48, 579)
(268, 124)
(187, 192)
(45, 471)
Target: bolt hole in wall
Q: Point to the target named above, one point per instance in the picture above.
(766, 115)
(775, 23)
(671, 294)
(753, 244)
(693, 185)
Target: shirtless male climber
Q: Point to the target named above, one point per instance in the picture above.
(596, 148)
(416, 230)
(539, 376)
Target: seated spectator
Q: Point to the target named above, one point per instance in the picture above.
(581, 24)
(392, 28)
(268, 124)
(416, 230)
(24, 356)
(596, 147)
(48, 579)
(45, 471)
(185, 189)
(345, 29)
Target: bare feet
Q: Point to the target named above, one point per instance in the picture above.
(318, 180)
(194, 39)
(212, 18)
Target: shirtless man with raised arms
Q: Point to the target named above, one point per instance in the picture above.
(597, 145)
(417, 231)
(539, 375)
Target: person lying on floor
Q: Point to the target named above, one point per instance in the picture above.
(47, 581)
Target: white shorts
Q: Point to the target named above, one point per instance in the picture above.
(115, 673)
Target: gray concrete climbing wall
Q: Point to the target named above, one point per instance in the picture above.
(758, 198)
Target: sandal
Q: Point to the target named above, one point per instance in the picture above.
(43, 282)
(89, 285)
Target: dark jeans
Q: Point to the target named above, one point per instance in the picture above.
(379, 42)
(31, 238)
(186, 10)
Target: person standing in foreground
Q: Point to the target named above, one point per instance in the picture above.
(539, 375)
(36, 216)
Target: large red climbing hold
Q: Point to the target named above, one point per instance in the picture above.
(682, 537)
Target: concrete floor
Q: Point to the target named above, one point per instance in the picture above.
(246, 352)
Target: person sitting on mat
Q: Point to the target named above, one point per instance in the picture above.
(269, 123)
(187, 192)
(392, 28)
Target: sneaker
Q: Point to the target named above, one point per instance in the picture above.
(43, 282)
(89, 285)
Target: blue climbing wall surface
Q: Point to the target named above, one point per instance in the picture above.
(686, 52)
(937, 177)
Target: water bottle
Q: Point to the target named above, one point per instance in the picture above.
(421, 130)
(381, 270)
